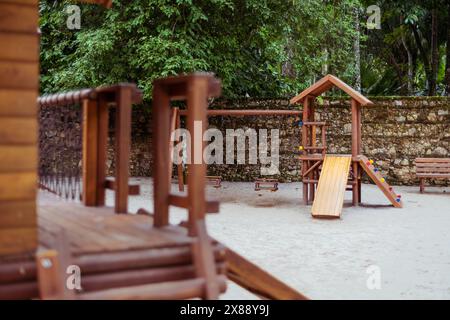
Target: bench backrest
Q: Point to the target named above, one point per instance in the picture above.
(436, 167)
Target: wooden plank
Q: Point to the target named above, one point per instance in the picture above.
(331, 188)
(434, 175)
(18, 240)
(433, 170)
(18, 186)
(90, 155)
(432, 160)
(21, 47)
(18, 131)
(94, 282)
(19, 75)
(18, 103)
(18, 17)
(174, 290)
(433, 165)
(380, 182)
(18, 158)
(18, 214)
(21, 290)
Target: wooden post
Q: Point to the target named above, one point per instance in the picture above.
(197, 104)
(123, 142)
(304, 144)
(161, 138)
(90, 151)
(50, 280)
(204, 261)
(102, 148)
(311, 118)
(355, 151)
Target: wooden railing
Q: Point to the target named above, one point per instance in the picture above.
(194, 89)
(95, 104)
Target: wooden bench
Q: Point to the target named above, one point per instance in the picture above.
(215, 181)
(435, 168)
(266, 184)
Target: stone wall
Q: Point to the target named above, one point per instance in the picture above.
(396, 130)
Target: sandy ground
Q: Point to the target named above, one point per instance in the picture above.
(407, 249)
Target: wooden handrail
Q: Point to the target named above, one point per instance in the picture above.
(95, 103)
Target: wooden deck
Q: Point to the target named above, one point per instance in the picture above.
(112, 250)
(97, 230)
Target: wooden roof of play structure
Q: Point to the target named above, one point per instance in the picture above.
(326, 83)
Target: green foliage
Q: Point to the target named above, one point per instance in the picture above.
(245, 42)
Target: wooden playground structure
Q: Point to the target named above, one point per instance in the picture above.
(331, 178)
(120, 256)
(324, 182)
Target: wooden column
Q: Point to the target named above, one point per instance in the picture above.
(90, 152)
(122, 143)
(161, 139)
(359, 124)
(313, 138)
(304, 144)
(102, 148)
(356, 129)
(197, 105)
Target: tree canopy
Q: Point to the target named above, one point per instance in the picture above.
(263, 48)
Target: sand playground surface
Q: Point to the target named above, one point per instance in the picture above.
(408, 248)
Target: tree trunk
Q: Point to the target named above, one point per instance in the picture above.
(287, 68)
(422, 53)
(357, 51)
(409, 85)
(410, 80)
(447, 63)
(434, 51)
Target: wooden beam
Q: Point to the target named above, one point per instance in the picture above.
(133, 189)
(102, 148)
(197, 123)
(204, 261)
(241, 113)
(90, 152)
(183, 202)
(161, 139)
(123, 142)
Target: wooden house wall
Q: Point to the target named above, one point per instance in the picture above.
(19, 81)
